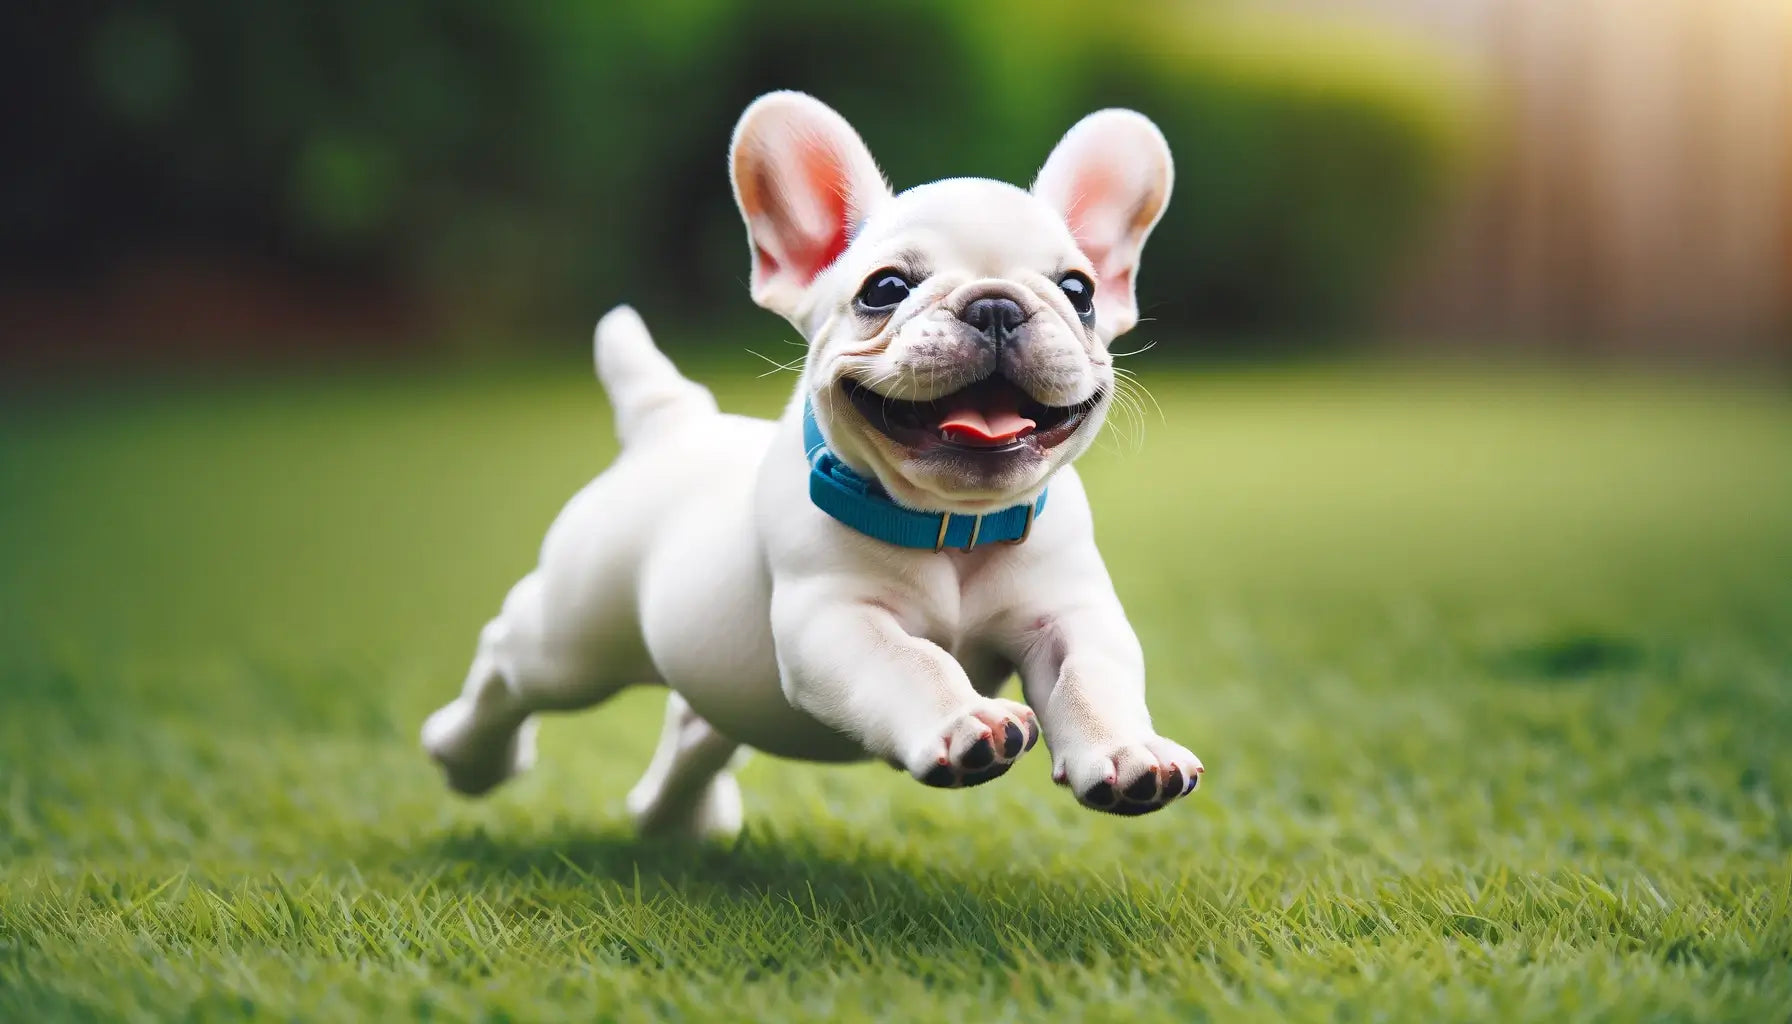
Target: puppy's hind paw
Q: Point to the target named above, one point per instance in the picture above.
(975, 744)
(476, 755)
(713, 815)
(1129, 778)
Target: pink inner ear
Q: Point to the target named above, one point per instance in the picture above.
(1092, 215)
(798, 208)
(825, 175)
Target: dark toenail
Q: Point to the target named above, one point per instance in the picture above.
(1193, 781)
(980, 755)
(1032, 736)
(1100, 795)
(1174, 784)
(994, 771)
(1144, 789)
(940, 775)
(1013, 740)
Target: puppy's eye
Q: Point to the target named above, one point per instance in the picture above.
(1081, 293)
(883, 291)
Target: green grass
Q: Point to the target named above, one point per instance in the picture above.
(1492, 674)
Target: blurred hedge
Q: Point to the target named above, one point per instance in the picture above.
(531, 163)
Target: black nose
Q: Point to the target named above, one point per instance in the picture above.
(995, 319)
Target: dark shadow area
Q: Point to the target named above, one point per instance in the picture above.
(753, 864)
(1568, 656)
(866, 902)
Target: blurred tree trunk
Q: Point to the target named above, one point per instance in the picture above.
(1638, 195)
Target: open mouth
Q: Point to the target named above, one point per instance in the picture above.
(992, 416)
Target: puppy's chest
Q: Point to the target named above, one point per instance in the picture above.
(958, 602)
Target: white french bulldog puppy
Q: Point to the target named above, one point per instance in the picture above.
(859, 578)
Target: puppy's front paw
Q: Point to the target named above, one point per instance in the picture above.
(1129, 778)
(975, 744)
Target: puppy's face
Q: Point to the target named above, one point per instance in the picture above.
(957, 332)
(954, 350)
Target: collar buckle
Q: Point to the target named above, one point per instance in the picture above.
(1027, 530)
(939, 543)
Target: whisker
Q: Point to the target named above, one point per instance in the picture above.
(1127, 401)
(1118, 410)
(793, 366)
(1138, 385)
(1148, 346)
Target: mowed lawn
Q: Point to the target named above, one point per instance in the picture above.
(1492, 673)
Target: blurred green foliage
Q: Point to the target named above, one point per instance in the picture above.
(531, 163)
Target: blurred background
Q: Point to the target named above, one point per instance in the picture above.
(208, 180)
(1456, 526)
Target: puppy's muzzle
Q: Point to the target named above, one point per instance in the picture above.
(997, 319)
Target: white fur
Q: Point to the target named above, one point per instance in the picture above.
(697, 560)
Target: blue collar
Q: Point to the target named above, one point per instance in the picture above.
(863, 505)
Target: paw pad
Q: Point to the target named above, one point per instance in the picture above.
(941, 776)
(1147, 793)
(1130, 779)
(994, 771)
(1144, 789)
(977, 746)
(1015, 742)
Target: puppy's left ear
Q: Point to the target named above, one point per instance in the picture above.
(803, 179)
(1110, 177)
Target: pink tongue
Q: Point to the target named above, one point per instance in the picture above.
(992, 426)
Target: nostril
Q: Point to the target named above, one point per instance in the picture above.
(996, 318)
(980, 314)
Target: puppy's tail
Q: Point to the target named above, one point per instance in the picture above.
(646, 390)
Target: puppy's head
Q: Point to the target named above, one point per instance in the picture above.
(958, 332)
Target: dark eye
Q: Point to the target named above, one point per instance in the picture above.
(883, 291)
(1081, 293)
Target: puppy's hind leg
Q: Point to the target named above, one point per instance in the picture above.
(687, 789)
(569, 635)
(523, 666)
(484, 737)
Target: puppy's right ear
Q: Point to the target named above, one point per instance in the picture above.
(803, 180)
(1110, 177)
